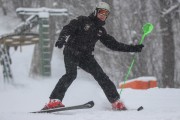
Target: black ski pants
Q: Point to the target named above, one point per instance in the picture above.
(88, 63)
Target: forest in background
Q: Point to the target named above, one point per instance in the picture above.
(160, 56)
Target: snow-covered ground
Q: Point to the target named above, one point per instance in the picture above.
(30, 94)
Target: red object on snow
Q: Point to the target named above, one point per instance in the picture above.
(53, 103)
(140, 83)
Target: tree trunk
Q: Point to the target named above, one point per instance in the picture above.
(3, 7)
(142, 63)
(168, 61)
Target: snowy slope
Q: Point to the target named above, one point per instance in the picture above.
(31, 94)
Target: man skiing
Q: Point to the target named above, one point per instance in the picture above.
(82, 34)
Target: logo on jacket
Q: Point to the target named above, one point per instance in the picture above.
(99, 33)
(87, 26)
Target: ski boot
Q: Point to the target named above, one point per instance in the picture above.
(53, 103)
(118, 105)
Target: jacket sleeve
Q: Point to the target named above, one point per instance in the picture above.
(112, 44)
(69, 29)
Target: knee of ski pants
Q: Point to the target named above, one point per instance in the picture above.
(101, 77)
(72, 75)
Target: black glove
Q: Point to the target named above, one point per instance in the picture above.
(59, 43)
(138, 48)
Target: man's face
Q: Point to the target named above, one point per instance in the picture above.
(102, 14)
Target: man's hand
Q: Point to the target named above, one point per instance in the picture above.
(59, 43)
(138, 48)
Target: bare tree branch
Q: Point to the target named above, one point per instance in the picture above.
(170, 10)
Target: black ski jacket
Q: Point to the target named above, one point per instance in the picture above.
(85, 31)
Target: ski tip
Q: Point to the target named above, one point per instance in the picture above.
(140, 108)
(90, 104)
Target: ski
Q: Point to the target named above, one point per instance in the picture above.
(131, 109)
(88, 105)
(136, 109)
(140, 108)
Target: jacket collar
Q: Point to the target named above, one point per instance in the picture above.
(96, 21)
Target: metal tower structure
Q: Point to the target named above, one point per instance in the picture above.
(44, 42)
(5, 61)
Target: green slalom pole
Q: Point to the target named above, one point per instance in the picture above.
(147, 28)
